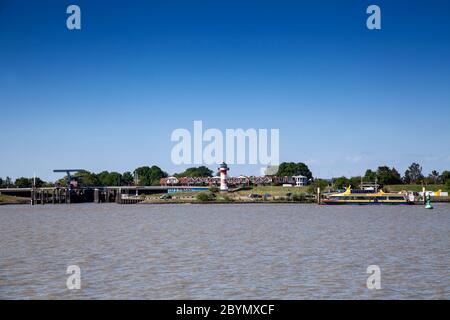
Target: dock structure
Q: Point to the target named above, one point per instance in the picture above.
(101, 194)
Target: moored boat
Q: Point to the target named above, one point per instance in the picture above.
(363, 197)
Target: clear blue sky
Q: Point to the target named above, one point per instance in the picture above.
(109, 96)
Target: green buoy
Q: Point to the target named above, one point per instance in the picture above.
(428, 202)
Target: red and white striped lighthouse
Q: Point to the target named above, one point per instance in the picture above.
(223, 169)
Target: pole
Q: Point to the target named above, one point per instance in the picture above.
(318, 195)
(376, 185)
(424, 197)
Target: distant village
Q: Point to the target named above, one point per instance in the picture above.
(288, 173)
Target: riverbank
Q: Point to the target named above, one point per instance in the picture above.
(194, 201)
(256, 194)
(252, 201)
(4, 199)
(267, 194)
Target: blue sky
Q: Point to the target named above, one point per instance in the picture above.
(108, 96)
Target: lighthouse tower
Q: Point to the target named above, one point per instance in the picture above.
(223, 176)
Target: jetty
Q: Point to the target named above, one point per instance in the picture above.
(109, 194)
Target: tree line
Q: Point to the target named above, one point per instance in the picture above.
(390, 176)
(150, 176)
(385, 175)
(145, 176)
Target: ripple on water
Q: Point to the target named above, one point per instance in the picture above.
(224, 251)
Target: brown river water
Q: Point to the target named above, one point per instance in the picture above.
(234, 251)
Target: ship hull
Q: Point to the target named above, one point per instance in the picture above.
(331, 202)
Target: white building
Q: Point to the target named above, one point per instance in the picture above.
(300, 181)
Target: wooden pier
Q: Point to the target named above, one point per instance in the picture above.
(109, 194)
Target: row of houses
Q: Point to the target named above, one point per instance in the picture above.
(235, 181)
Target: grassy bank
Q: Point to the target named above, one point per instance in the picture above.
(276, 191)
(274, 194)
(4, 199)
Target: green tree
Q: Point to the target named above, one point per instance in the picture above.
(103, 178)
(341, 182)
(6, 183)
(434, 177)
(317, 183)
(370, 176)
(355, 182)
(23, 182)
(127, 178)
(110, 178)
(149, 176)
(88, 179)
(445, 176)
(386, 176)
(413, 174)
(294, 169)
(201, 171)
(114, 179)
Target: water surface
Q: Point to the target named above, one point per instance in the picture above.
(248, 251)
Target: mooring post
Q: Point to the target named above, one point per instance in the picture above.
(67, 196)
(424, 196)
(32, 196)
(318, 195)
(118, 196)
(96, 196)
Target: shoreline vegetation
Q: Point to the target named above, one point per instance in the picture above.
(248, 195)
(266, 195)
(413, 177)
(388, 179)
(5, 199)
